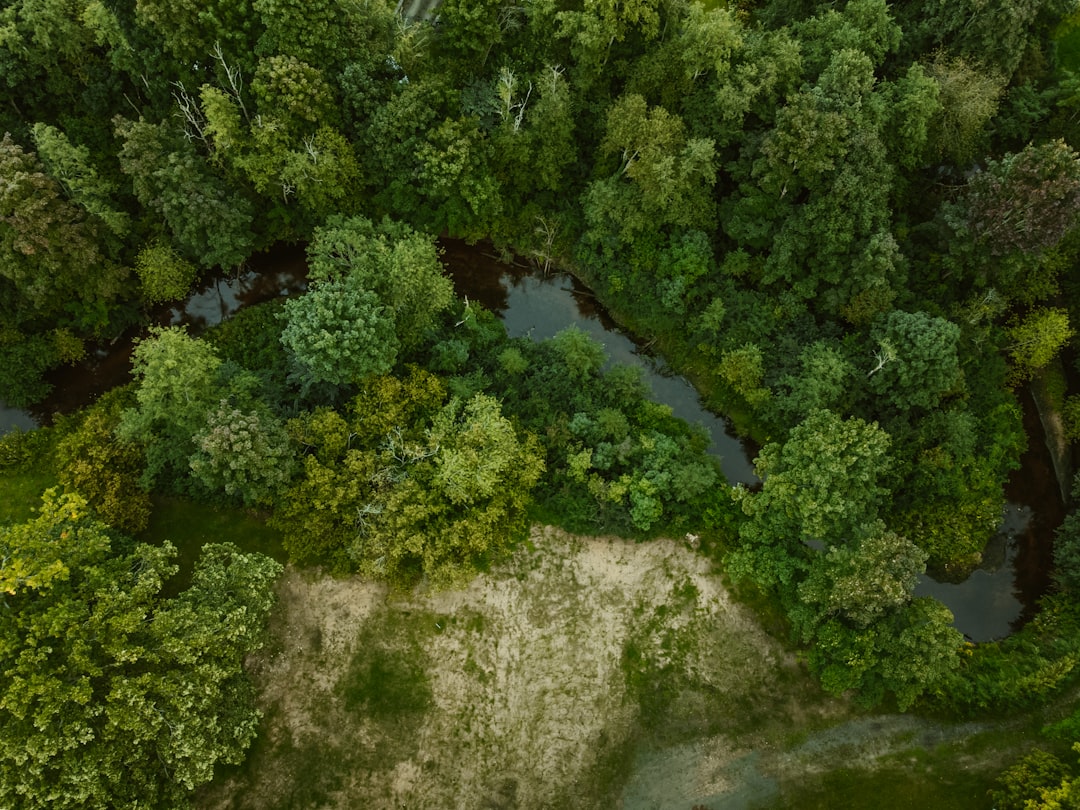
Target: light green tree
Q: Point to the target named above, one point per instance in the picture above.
(246, 454)
(460, 498)
(71, 166)
(164, 273)
(398, 264)
(1035, 339)
(112, 694)
(862, 581)
(177, 385)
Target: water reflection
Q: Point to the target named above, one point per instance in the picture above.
(986, 604)
(15, 419)
(537, 306)
(266, 275)
(994, 601)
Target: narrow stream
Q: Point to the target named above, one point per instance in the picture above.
(994, 601)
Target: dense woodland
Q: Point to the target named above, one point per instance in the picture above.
(853, 224)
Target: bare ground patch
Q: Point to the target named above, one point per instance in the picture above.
(528, 689)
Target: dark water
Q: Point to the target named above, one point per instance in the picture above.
(282, 271)
(994, 601)
(1002, 594)
(538, 306)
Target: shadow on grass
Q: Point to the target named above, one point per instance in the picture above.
(190, 525)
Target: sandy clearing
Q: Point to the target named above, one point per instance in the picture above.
(530, 702)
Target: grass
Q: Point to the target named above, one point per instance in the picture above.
(20, 493)
(890, 789)
(190, 525)
(26, 470)
(385, 683)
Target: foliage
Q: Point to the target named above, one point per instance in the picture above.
(917, 361)
(1025, 202)
(165, 276)
(1031, 777)
(23, 361)
(823, 484)
(112, 693)
(104, 470)
(176, 386)
(859, 209)
(465, 505)
(246, 454)
(863, 581)
(339, 333)
(46, 241)
(1022, 671)
(409, 486)
(210, 222)
(1036, 339)
(969, 97)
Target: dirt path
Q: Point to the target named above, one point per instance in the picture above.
(530, 689)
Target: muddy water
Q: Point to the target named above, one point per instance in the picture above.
(994, 601)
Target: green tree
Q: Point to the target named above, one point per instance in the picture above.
(916, 361)
(581, 353)
(460, 500)
(1024, 203)
(905, 655)
(1028, 783)
(48, 244)
(93, 462)
(210, 221)
(744, 370)
(164, 274)
(111, 694)
(338, 332)
(862, 581)
(824, 379)
(663, 176)
(398, 264)
(177, 384)
(969, 98)
(822, 485)
(325, 33)
(1035, 339)
(913, 100)
(191, 30)
(246, 454)
(71, 166)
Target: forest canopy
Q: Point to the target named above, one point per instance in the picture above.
(853, 224)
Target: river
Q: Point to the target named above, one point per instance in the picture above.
(991, 603)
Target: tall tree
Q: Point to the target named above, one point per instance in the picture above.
(49, 246)
(210, 221)
(822, 485)
(916, 361)
(112, 694)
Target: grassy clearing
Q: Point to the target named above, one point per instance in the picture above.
(20, 493)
